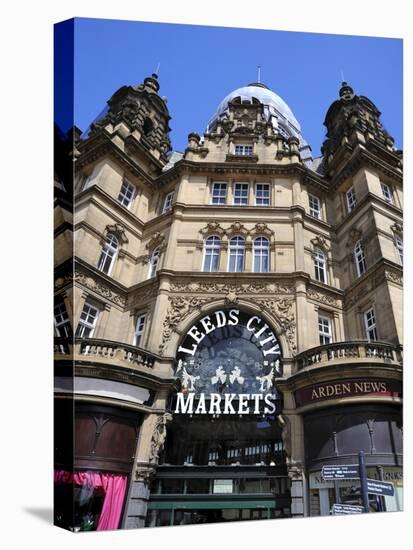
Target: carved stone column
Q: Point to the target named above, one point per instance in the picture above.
(151, 442)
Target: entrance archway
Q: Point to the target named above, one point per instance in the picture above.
(224, 458)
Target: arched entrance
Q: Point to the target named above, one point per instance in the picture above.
(224, 458)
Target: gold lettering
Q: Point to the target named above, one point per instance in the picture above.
(314, 394)
(346, 388)
(358, 387)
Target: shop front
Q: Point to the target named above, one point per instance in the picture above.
(94, 453)
(335, 436)
(224, 457)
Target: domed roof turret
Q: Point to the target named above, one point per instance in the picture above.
(276, 109)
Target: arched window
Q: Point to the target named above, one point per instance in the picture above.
(212, 248)
(154, 262)
(359, 258)
(107, 256)
(320, 266)
(261, 255)
(399, 247)
(236, 254)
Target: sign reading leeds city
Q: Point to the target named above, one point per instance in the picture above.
(227, 364)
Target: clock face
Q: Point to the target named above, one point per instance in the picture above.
(241, 356)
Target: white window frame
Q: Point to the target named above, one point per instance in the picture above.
(127, 195)
(212, 251)
(139, 330)
(387, 193)
(109, 252)
(320, 266)
(398, 243)
(314, 205)
(246, 150)
(324, 323)
(167, 203)
(62, 325)
(260, 194)
(359, 258)
(370, 325)
(260, 253)
(91, 314)
(236, 251)
(154, 262)
(241, 193)
(217, 195)
(351, 199)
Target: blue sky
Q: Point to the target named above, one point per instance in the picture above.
(200, 65)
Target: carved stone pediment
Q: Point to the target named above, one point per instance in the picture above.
(261, 228)
(212, 228)
(117, 230)
(320, 242)
(353, 236)
(157, 240)
(237, 228)
(397, 229)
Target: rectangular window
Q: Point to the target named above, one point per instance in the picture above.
(127, 194)
(223, 486)
(87, 322)
(351, 199)
(370, 324)
(315, 206)
(243, 150)
(399, 247)
(62, 321)
(387, 194)
(324, 330)
(320, 267)
(167, 203)
(219, 193)
(139, 328)
(262, 194)
(241, 194)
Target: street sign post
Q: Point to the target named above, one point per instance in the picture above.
(347, 471)
(363, 482)
(382, 488)
(344, 509)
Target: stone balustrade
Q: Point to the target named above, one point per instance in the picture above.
(100, 350)
(351, 351)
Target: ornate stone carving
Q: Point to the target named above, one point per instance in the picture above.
(156, 241)
(353, 236)
(117, 230)
(231, 298)
(88, 282)
(237, 228)
(240, 288)
(320, 242)
(212, 228)
(179, 308)
(295, 471)
(144, 474)
(397, 229)
(394, 277)
(262, 228)
(158, 437)
(283, 309)
(321, 297)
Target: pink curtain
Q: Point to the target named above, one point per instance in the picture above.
(114, 487)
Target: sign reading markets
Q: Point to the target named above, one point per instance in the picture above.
(227, 364)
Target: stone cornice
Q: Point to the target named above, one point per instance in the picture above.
(361, 157)
(101, 144)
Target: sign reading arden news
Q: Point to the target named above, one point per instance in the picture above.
(227, 364)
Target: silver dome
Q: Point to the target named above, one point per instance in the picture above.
(276, 109)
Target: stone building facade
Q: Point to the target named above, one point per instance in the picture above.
(247, 223)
